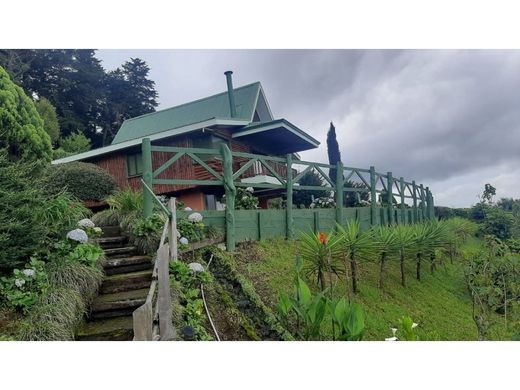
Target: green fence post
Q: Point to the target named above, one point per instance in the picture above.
(229, 187)
(390, 198)
(429, 204)
(373, 197)
(146, 148)
(423, 203)
(289, 215)
(414, 196)
(433, 205)
(401, 185)
(339, 192)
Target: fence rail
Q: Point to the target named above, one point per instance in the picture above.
(231, 169)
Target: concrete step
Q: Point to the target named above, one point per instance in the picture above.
(111, 242)
(121, 251)
(111, 231)
(126, 282)
(113, 329)
(118, 304)
(123, 265)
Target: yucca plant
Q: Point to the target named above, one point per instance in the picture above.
(427, 237)
(321, 254)
(356, 246)
(387, 245)
(404, 240)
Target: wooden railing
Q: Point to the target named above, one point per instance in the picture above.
(152, 321)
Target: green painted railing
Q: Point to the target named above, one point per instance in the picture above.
(288, 172)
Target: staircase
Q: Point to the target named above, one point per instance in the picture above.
(127, 280)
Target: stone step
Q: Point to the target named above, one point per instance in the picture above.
(123, 265)
(113, 329)
(126, 282)
(111, 242)
(118, 301)
(121, 251)
(111, 231)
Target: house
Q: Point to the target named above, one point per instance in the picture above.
(240, 117)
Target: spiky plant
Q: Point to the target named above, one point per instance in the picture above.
(427, 237)
(321, 254)
(386, 240)
(357, 246)
(404, 242)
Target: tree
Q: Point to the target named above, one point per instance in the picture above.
(75, 143)
(333, 151)
(144, 97)
(304, 197)
(489, 192)
(50, 119)
(21, 128)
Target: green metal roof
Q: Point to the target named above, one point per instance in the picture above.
(216, 106)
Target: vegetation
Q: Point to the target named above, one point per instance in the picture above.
(304, 198)
(22, 132)
(50, 119)
(84, 180)
(245, 200)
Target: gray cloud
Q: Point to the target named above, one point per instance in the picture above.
(449, 119)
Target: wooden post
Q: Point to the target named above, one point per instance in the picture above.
(164, 302)
(316, 221)
(429, 204)
(289, 204)
(401, 188)
(340, 183)
(146, 148)
(390, 198)
(259, 223)
(229, 186)
(414, 196)
(172, 239)
(373, 197)
(423, 203)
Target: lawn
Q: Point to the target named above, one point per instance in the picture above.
(440, 303)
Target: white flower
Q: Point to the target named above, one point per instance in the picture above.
(184, 241)
(98, 230)
(19, 282)
(196, 267)
(28, 272)
(391, 339)
(244, 198)
(393, 331)
(414, 325)
(312, 205)
(195, 217)
(86, 223)
(250, 189)
(78, 235)
(188, 209)
(222, 247)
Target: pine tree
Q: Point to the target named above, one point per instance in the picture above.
(143, 89)
(50, 119)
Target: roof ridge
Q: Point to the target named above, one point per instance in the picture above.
(191, 102)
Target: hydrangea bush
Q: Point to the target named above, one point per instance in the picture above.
(245, 200)
(323, 203)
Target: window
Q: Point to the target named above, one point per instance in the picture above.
(208, 141)
(210, 202)
(134, 165)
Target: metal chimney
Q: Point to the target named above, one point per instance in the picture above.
(231, 95)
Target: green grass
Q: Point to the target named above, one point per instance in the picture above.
(440, 303)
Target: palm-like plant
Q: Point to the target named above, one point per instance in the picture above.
(404, 240)
(387, 241)
(321, 254)
(357, 246)
(427, 237)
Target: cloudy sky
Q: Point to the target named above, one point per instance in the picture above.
(448, 119)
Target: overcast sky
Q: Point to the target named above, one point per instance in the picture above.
(448, 119)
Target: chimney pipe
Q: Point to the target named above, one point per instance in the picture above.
(231, 95)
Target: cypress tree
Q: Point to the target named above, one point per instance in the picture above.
(333, 151)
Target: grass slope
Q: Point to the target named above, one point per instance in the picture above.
(439, 303)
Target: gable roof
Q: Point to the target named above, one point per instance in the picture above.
(216, 106)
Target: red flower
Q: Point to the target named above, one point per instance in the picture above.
(323, 238)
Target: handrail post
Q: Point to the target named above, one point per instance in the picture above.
(390, 198)
(423, 203)
(373, 197)
(146, 148)
(289, 203)
(340, 184)
(414, 197)
(173, 229)
(229, 186)
(164, 303)
(401, 185)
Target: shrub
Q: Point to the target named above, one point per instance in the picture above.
(146, 233)
(498, 223)
(21, 128)
(245, 200)
(50, 119)
(83, 180)
(304, 197)
(193, 231)
(323, 203)
(75, 143)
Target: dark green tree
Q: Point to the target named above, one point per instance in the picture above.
(488, 193)
(333, 151)
(304, 197)
(21, 129)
